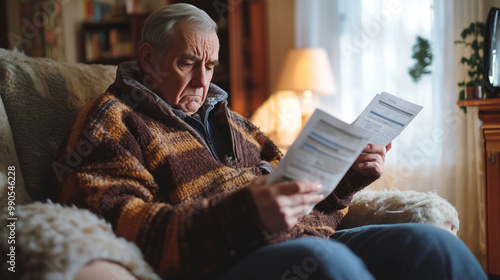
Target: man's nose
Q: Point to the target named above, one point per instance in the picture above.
(200, 77)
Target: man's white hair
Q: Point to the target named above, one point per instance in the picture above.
(158, 29)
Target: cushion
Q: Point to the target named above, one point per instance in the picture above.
(394, 206)
(41, 97)
(8, 163)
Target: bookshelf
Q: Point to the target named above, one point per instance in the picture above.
(111, 41)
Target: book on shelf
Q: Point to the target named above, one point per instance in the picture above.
(96, 10)
(108, 44)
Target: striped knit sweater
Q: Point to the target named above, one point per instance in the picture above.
(131, 160)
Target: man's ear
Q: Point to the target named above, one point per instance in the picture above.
(147, 57)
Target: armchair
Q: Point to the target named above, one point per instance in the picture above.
(39, 99)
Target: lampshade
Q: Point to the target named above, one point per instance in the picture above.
(307, 69)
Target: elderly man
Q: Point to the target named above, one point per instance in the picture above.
(178, 173)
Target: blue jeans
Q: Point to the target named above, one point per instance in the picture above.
(399, 251)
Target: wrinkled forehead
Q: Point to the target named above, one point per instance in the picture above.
(191, 40)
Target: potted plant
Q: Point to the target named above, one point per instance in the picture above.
(422, 53)
(473, 40)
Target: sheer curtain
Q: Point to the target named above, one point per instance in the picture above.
(370, 45)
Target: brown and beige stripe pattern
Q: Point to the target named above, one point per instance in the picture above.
(149, 174)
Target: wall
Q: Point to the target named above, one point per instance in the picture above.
(73, 15)
(281, 35)
(489, 4)
(13, 24)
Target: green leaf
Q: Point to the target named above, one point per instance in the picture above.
(422, 53)
(473, 42)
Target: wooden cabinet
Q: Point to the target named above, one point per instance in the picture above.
(247, 33)
(111, 41)
(489, 113)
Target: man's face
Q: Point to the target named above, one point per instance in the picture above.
(187, 68)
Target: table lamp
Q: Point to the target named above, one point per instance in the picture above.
(307, 71)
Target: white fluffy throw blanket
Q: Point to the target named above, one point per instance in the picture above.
(54, 242)
(386, 207)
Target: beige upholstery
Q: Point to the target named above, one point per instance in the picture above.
(39, 98)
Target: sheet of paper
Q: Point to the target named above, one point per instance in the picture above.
(327, 147)
(387, 116)
(323, 152)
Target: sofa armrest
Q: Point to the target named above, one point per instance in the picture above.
(40, 98)
(394, 206)
(9, 163)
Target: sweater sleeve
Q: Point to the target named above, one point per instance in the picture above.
(102, 169)
(269, 152)
(341, 197)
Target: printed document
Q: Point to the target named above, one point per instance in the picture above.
(323, 152)
(387, 115)
(327, 147)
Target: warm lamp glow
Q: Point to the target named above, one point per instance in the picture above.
(307, 69)
(306, 73)
(308, 97)
(280, 118)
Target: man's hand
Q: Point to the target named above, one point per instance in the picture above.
(280, 205)
(371, 161)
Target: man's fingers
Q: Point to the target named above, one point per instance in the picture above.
(368, 157)
(280, 205)
(300, 199)
(388, 147)
(295, 187)
(375, 149)
(370, 168)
